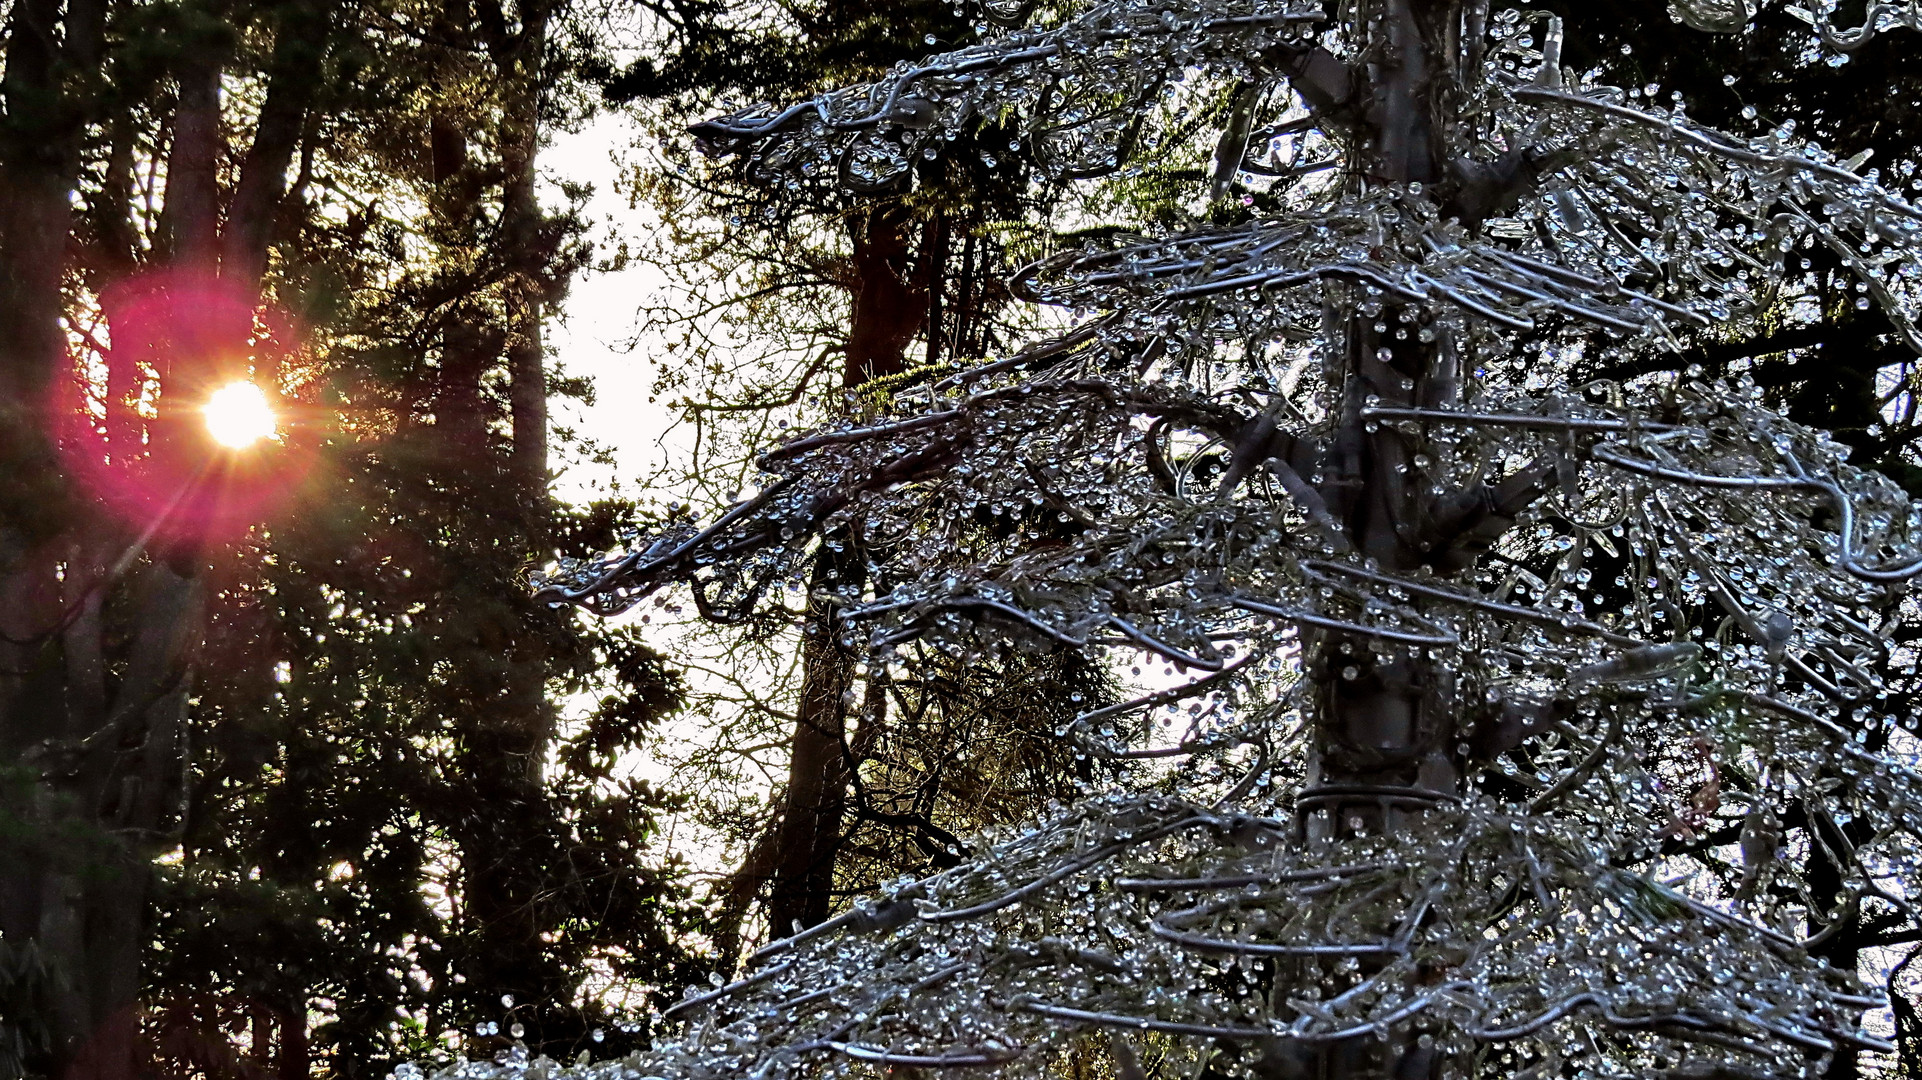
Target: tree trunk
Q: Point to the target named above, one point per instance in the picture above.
(300, 44)
(39, 165)
(190, 220)
(890, 302)
(1386, 729)
(522, 227)
(889, 308)
(815, 801)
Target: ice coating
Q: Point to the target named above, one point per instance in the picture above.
(1351, 443)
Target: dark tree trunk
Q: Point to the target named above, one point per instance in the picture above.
(190, 220)
(1386, 730)
(300, 44)
(39, 164)
(890, 306)
(814, 804)
(468, 348)
(890, 301)
(934, 256)
(522, 226)
(114, 255)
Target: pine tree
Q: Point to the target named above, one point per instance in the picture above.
(277, 750)
(1535, 726)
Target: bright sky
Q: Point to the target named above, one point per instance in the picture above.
(598, 316)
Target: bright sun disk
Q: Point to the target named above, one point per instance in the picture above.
(238, 415)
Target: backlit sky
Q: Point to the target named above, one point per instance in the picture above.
(598, 315)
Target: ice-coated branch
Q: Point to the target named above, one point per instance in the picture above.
(1725, 147)
(1847, 557)
(1111, 972)
(868, 136)
(1877, 16)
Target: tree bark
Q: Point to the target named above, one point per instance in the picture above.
(47, 105)
(522, 227)
(890, 301)
(190, 219)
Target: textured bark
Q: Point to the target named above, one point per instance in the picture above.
(108, 771)
(890, 300)
(1384, 724)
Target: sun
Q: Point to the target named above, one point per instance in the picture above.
(238, 415)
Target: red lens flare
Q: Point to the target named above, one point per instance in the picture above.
(195, 464)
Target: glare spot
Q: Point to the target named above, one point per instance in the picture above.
(238, 415)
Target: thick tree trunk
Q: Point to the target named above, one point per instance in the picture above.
(190, 220)
(527, 403)
(468, 347)
(1387, 726)
(114, 254)
(890, 300)
(519, 60)
(39, 164)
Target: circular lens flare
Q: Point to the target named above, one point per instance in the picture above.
(238, 415)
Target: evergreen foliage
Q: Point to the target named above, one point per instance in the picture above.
(289, 787)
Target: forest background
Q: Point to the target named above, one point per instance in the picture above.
(294, 778)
